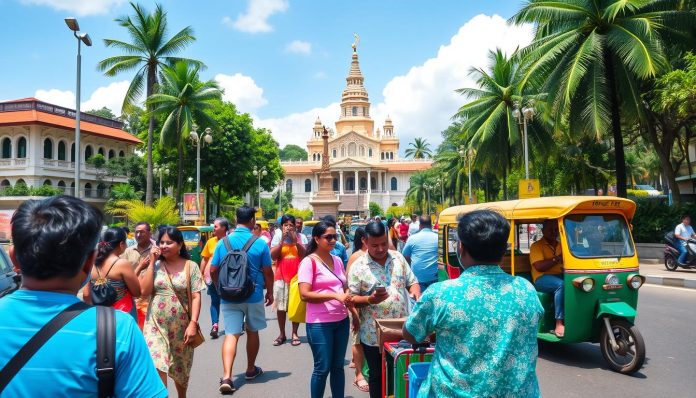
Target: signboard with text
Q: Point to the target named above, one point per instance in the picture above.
(529, 189)
(191, 210)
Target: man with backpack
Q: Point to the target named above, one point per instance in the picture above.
(53, 344)
(241, 269)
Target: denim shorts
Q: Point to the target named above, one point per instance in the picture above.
(235, 316)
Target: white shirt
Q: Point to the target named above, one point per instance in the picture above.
(413, 228)
(278, 235)
(685, 231)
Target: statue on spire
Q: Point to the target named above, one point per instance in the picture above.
(356, 41)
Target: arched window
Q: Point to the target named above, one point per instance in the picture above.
(363, 183)
(6, 148)
(72, 152)
(48, 182)
(5, 183)
(121, 154)
(88, 152)
(391, 155)
(362, 151)
(88, 190)
(369, 152)
(393, 184)
(365, 111)
(381, 155)
(350, 184)
(20, 182)
(308, 185)
(352, 149)
(101, 151)
(22, 147)
(373, 183)
(335, 184)
(355, 111)
(61, 150)
(334, 153)
(101, 190)
(72, 188)
(61, 184)
(48, 149)
(288, 185)
(111, 153)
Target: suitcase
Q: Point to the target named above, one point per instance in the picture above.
(396, 358)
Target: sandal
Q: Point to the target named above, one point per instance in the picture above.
(295, 342)
(553, 332)
(279, 341)
(362, 385)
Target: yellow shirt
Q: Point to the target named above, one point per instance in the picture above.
(209, 248)
(542, 250)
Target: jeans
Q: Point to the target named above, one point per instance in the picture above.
(214, 303)
(328, 341)
(682, 253)
(552, 284)
(374, 362)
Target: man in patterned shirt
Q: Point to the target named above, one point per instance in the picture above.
(382, 282)
(486, 321)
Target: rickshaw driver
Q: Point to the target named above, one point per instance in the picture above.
(546, 258)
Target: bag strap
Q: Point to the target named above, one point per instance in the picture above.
(17, 362)
(228, 245)
(250, 242)
(189, 293)
(106, 351)
(171, 284)
(327, 267)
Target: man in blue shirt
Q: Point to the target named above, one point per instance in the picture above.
(54, 247)
(249, 312)
(340, 249)
(421, 252)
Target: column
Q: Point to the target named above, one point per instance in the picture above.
(380, 186)
(357, 183)
(340, 182)
(369, 181)
(316, 182)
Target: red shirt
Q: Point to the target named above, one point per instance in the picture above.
(403, 231)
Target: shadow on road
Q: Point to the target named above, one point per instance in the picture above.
(267, 375)
(581, 355)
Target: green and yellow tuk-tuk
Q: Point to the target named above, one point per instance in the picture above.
(600, 266)
(195, 237)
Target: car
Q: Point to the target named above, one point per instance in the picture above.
(9, 280)
(649, 189)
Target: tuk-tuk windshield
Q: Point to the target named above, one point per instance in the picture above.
(598, 235)
(191, 237)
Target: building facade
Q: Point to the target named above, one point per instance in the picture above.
(364, 160)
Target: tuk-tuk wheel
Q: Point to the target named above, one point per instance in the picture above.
(671, 263)
(630, 353)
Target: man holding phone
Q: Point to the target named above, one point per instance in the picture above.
(382, 283)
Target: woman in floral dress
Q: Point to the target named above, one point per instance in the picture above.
(168, 328)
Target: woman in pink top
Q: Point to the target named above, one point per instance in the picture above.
(322, 284)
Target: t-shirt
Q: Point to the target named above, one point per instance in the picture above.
(207, 252)
(324, 282)
(413, 228)
(543, 250)
(403, 231)
(685, 231)
(422, 248)
(279, 234)
(65, 365)
(259, 256)
(134, 255)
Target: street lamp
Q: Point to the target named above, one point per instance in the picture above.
(161, 171)
(81, 38)
(207, 138)
(522, 116)
(260, 173)
(463, 152)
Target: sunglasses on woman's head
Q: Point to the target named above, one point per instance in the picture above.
(330, 237)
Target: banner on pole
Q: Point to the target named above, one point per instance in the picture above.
(529, 189)
(191, 210)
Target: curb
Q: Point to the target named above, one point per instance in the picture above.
(669, 281)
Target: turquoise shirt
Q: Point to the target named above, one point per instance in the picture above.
(65, 365)
(486, 325)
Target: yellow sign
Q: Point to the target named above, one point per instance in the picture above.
(529, 189)
(259, 214)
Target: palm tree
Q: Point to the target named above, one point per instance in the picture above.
(184, 100)
(590, 56)
(149, 50)
(163, 212)
(420, 149)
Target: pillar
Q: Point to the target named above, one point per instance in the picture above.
(369, 181)
(340, 182)
(357, 182)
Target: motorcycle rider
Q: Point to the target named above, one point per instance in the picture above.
(683, 232)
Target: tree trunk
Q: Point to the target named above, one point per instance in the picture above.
(664, 153)
(180, 172)
(151, 81)
(619, 156)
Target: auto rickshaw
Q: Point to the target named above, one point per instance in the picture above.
(600, 268)
(195, 237)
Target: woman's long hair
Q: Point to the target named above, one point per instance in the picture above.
(110, 240)
(318, 230)
(357, 239)
(174, 234)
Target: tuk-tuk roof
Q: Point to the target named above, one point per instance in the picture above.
(545, 208)
(200, 228)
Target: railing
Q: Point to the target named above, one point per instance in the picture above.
(40, 106)
(93, 193)
(15, 162)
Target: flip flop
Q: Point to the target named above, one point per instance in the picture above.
(553, 332)
(362, 385)
(295, 342)
(279, 341)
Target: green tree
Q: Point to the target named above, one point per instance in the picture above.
(293, 152)
(590, 56)
(375, 209)
(103, 112)
(185, 100)
(118, 196)
(149, 50)
(418, 149)
(162, 212)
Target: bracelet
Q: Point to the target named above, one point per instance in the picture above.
(368, 300)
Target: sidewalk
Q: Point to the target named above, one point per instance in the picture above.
(656, 274)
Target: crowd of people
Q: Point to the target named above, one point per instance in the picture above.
(392, 273)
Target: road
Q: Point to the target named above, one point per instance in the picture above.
(666, 318)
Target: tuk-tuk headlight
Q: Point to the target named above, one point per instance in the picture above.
(611, 282)
(635, 281)
(584, 283)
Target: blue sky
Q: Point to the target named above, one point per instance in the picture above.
(283, 61)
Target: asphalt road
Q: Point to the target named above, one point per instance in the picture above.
(666, 318)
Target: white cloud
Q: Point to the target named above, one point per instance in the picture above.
(255, 18)
(242, 91)
(299, 47)
(79, 7)
(57, 97)
(110, 96)
(296, 128)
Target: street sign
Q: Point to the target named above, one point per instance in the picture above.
(529, 189)
(259, 214)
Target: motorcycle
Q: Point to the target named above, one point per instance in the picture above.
(672, 253)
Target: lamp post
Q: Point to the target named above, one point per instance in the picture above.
(81, 38)
(428, 187)
(522, 116)
(161, 171)
(207, 138)
(463, 152)
(262, 172)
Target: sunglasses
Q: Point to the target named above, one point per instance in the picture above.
(330, 237)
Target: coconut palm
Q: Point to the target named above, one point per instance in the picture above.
(420, 149)
(163, 212)
(148, 51)
(184, 100)
(590, 55)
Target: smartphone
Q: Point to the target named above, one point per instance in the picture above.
(380, 289)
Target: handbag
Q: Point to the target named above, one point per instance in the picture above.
(102, 293)
(297, 308)
(198, 338)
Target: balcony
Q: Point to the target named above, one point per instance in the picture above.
(100, 194)
(13, 163)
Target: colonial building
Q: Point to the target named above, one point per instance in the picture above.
(364, 160)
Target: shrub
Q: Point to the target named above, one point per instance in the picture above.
(654, 218)
(636, 193)
(45, 190)
(306, 214)
(375, 209)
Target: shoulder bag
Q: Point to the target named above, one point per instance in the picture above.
(101, 291)
(297, 308)
(198, 339)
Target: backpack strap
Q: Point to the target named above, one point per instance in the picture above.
(228, 245)
(250, 242)
(106, 351)
(17, 362)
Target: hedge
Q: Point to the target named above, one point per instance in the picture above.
(654, 218)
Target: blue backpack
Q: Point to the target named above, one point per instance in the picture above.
(235, 283)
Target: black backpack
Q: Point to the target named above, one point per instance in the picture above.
(102, 293)
(235, 283)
